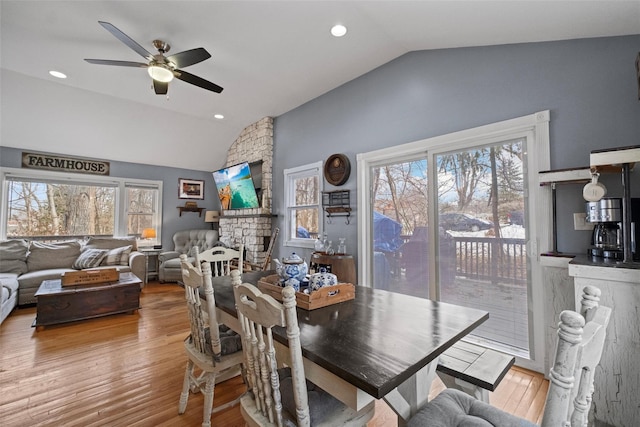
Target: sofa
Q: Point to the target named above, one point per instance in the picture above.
(24, 265)
(184, 242)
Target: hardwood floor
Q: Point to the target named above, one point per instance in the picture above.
(127, 370)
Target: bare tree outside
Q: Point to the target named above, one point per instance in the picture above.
(306, 195)
(50, 209)
(140, 210)
(480, 251)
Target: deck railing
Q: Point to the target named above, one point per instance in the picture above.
(487, 258)
(493, 259)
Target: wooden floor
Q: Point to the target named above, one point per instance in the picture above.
(127, 370)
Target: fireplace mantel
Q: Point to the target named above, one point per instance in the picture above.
(262, 215)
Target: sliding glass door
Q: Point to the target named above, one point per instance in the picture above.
(400, 221)
(481, 209)
(447, 218)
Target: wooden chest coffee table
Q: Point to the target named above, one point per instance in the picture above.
(58, 304)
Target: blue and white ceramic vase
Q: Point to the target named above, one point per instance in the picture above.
(323, 278)
(292, 267)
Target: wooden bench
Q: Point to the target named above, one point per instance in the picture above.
(474, 369)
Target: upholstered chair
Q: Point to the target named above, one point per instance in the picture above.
(184, 242)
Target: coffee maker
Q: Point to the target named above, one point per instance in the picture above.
(607, 240)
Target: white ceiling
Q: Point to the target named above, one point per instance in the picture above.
(270, 56)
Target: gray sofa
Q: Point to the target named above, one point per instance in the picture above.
(24, 265)
(184, 242)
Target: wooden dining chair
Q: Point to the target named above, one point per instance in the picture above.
(213, 349)
(221, 259)
(578, 351)
(282, 396)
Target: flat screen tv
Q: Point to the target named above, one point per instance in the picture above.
(235, 187)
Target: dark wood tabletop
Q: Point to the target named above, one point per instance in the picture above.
(375, 341)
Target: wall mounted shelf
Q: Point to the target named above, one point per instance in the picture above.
(337, 203)
(190, 209)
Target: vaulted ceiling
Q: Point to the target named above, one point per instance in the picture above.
(270, 56)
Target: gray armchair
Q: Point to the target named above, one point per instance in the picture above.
(184, 242)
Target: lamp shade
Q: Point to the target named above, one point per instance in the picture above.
(212, 216)
(149, 233)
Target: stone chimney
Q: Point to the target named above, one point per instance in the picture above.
(251, 227)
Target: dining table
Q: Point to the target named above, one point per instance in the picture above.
(379, 345)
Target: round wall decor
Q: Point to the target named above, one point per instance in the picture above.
(337, 169)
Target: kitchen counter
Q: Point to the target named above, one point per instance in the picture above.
(602, 262)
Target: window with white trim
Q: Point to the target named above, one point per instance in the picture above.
(52, 205)
(302, 186)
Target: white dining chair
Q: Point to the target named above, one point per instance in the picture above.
(578, 352)
(221, 259)
(215, 353)
(278, 397)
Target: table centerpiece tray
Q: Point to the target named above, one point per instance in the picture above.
(325, 296)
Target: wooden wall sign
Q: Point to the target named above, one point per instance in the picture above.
(64, 164)
(337, 169)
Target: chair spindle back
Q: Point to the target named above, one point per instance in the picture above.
(578, 352)
(194, 278)
(258, 314)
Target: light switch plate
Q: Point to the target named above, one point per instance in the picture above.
(580, 222)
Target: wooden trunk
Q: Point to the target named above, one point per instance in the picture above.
(60, 305)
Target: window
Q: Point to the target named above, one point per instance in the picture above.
(302, 201)
(141, 208)
(50, 205)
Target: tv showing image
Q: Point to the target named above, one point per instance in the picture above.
(235, 187)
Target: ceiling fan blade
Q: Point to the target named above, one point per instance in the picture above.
(189, 57)
(118, 63)
(126, 40)
(161, 88)
(197, 81)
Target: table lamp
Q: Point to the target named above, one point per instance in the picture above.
(147, 235)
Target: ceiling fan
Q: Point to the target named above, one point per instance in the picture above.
(162, 69)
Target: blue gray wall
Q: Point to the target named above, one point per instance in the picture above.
(589, 85)
(172, 222)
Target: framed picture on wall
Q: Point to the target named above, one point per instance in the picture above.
(190, 189)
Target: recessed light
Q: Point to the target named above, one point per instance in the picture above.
(338, 30)
(58, 74)
(218, 116)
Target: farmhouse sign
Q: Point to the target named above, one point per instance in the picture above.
(64, 164)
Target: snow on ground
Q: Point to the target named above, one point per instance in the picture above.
(507, 232)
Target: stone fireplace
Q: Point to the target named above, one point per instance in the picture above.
(251, 227)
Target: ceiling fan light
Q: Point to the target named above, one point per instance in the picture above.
(160, 74)
(338, 30)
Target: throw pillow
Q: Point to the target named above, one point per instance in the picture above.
(118, 256)
(45, 256)
(13, 256)
(111, 242)
(89, 258)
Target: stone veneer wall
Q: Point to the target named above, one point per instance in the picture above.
(251, 227)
